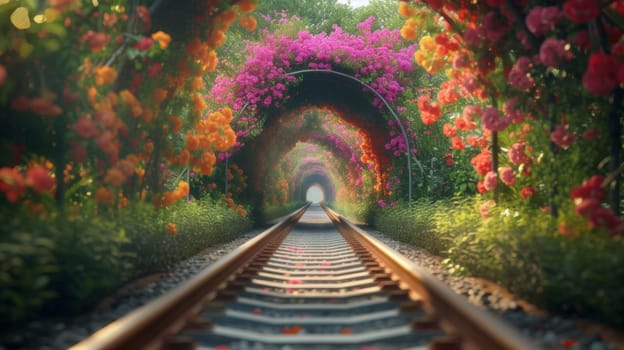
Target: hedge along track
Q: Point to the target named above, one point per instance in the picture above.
(309, 283)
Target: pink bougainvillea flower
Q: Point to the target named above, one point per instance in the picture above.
(562, 137)
(519, 76)
(490, 181)
(517, 154)
(493, 121)
(507, 176)
(542, 20)
(553, 52)
(484, 209)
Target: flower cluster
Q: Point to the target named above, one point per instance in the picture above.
(14, 183)
(588, 199)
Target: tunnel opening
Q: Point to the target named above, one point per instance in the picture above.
(315, 194)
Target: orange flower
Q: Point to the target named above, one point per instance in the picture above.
(163, 39)
(184, 157)
(176, 123)
(140, 172)
(105, 75)
(217, 38)
(198, 104)
(160, 95)
(406, 10)
(39, 179)
(211, 61)
(172, 228)
(149, 147)
(227, 17)
(92, 95)
(408, 32)
(192, 142)
(246, 6)
(227, 113)
(114, 177)
(104, 195)
(249, 23)
(208, 161)
(183, 188)
(197, 83)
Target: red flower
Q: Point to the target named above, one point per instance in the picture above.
(587, 206)
(39, 179)
(3, 74)
(482, 162)
(154, 69)
(581, 11)
(457, 143)
(144, 44)
(96, 40)
(591, 134)
(85, 128)
(527, 192)
(448, 130)
(591, 188)
(601, 76)
(448, 159)
(435, 4)
(12, 183)
(602, 216)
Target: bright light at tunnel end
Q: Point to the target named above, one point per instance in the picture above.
(315, 194)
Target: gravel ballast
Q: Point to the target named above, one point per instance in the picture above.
(553, 332)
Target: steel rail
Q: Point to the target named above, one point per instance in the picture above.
(148, 326)
(473, 327)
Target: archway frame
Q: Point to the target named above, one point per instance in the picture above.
(389, 108)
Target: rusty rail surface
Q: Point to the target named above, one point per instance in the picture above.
(468, 326)
(149, 326)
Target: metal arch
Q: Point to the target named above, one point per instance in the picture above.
(388, 107)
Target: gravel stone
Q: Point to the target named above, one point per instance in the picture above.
(553, 332)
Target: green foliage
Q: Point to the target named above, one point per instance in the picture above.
(577, 271)
(198, 225)
(276, 211)
(27, 264)
(63, 264)
(361, 212)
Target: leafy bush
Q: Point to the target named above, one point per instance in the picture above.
(276, 211)
(362, 212)
(27, 264)
(523, 249)
(62, 264)
(198, 224)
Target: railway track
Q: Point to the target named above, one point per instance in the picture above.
(313, 281)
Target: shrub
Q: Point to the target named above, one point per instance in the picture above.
(569, 270)
(63, 264)
(276, 211)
